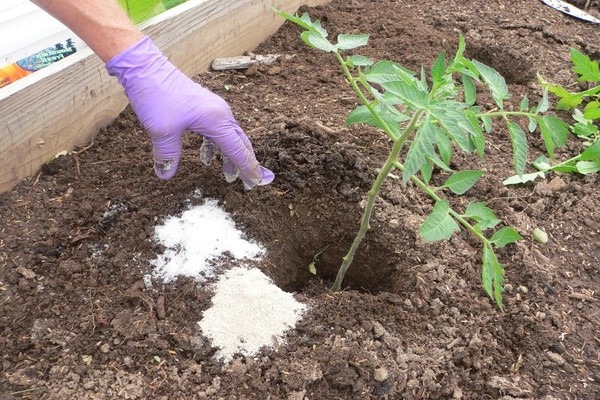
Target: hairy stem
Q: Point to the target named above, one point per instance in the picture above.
(506, 113)
(371, 196)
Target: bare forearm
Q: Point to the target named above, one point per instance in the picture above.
(102, 24)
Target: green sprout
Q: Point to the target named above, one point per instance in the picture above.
(585, 107)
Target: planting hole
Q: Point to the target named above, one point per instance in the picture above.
(314, 211)
(513, 65)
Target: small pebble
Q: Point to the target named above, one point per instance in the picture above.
(381, 374)
(523, 289)
(555, 358)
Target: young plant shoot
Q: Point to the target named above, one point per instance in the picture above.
(585, 106)
(432, 116)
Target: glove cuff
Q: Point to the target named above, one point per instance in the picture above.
(139, 59)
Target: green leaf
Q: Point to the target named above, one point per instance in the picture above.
(438, 70)
(460, 50)
(542, 163)
(460, 124)
(592, 153)
(524, 104)
(462, 65)
(487, 123)
(470, 91)
(554, 132)
(504, 236)
(519, 144)
(585, 129)
(303, 21)
(532, 125)
(427, 171)
(439, 225)
(317, 41)
(475, 132)
(592, 110)
(422, 83)
(495, 82)
(568, 168)
(420, 150)
(362, 115)
(588, 167)
(517, 179)
(444, 146)
(558, 90)
(479, 212)
(492, 275)
(569, 102)
(462, 181)
(409, 93)
(544, 104)
(439, 163)
(587, 69)
(388, 71)
(359, 61)
(348, 42)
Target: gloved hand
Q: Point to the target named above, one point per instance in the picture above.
(168, 103)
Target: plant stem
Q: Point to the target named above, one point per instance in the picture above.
(371, 196)
(506, 113)
(361, 96)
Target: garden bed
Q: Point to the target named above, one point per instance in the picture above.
(78, 318)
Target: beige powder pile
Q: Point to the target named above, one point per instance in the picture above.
(248, 311)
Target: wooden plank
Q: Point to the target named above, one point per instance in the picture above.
(66, 103)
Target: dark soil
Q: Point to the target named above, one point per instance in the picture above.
(76, 321)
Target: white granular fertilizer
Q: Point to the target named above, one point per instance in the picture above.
(196, 239)
(248, 312)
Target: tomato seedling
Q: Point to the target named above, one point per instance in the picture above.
(427, 116)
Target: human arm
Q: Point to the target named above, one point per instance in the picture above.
(166, 101)
(101, 24)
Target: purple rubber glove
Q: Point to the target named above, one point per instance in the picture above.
(168, 103)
